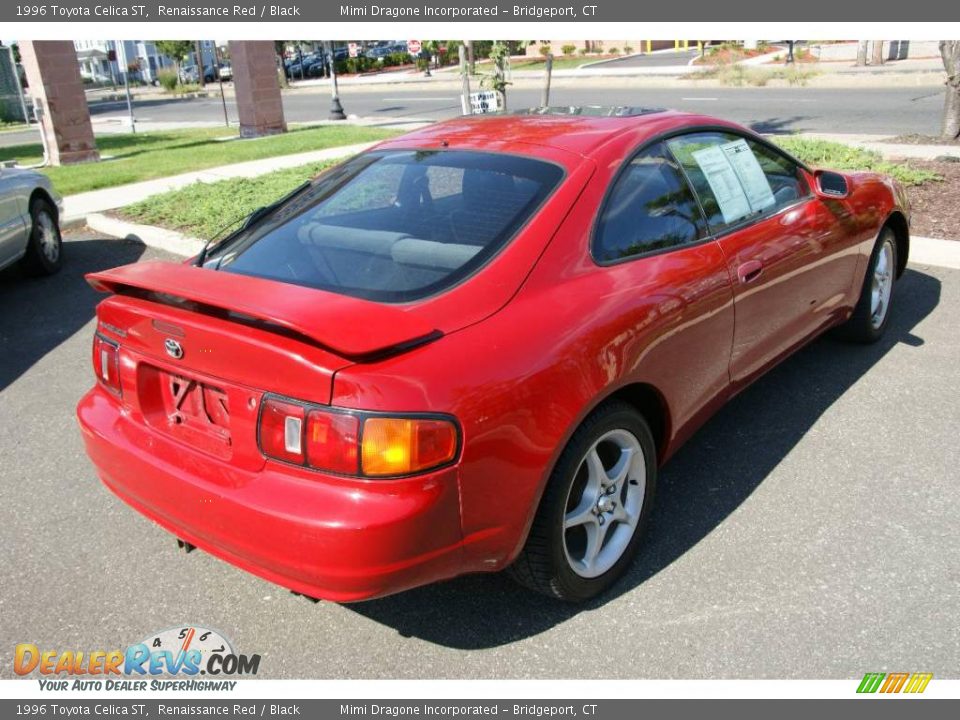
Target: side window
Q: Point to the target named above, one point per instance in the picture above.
(736, 178)
(649, 208)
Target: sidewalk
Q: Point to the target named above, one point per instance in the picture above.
(888, 150)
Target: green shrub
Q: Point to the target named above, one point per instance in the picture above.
(613, 51)
(167, 77)
(568, 49)
(582, 51)
(627, 50)
(544, 50)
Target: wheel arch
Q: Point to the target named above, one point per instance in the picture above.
(650, 403)
(897, 222)
(40, 193)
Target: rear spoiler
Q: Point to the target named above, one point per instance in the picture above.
(350, 327)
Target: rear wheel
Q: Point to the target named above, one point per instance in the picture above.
(872, 313)
(590, 521)
(45, 247)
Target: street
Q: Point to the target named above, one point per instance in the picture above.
(807, 531)
(890, 111)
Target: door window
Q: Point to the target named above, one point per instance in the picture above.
(737, 178)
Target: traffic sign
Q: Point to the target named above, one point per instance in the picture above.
(414, 47)
(354, 49)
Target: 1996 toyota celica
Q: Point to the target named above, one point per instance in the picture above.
(471, 347)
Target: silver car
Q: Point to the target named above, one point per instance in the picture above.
(29, 221)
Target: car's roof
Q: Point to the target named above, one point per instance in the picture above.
(580, 134)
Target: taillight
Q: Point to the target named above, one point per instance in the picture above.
(106, 363)
(354, 443)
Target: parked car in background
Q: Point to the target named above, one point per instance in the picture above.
(384, 50)
(471, 347)
(190, 74)
(225, 72)
(29, 221)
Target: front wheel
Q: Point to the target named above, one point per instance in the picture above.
(588, 527)
(872, 313)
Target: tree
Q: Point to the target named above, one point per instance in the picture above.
(176, 50)
(497, 81)
(862, 52)
(201, 70)
(877, 52)
(950, 52)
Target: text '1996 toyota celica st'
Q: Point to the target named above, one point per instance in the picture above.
(471, 347)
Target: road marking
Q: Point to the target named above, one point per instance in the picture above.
(699, 98)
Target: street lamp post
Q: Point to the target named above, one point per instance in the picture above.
(336, 109)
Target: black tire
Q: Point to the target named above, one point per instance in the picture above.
(544, 564)
(862, 326)
(40, 259)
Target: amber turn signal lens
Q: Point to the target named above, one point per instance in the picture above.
(400, 446)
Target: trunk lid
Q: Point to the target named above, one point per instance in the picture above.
(198, 348)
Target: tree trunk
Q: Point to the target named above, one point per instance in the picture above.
(862, 52)
(200, 68)
(950, 51)
(877, 52)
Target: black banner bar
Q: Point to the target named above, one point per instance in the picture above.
(571, 11)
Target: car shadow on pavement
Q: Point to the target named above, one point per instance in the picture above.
(40, 313)
(705, 482)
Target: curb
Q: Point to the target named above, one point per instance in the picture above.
(150, 235)
(923, 250)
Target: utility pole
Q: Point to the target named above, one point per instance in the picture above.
(336, 109)
(126, 86)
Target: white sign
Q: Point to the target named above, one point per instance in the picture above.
(485, 101)
(736, 178)
(414, 47)
(353, 49)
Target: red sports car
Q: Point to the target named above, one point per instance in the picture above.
(471, 347)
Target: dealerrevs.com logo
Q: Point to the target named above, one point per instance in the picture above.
(173, 659)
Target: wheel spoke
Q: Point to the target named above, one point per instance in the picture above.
(580, 515)
(598, 474)
(618, 473)
(595, 535)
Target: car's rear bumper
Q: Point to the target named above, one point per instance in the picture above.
(322, 536)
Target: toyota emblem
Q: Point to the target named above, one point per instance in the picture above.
(173, 348)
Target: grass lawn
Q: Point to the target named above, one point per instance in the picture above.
(12, 125)
(559, 63)
(837, 156)
(145, 156)
(203, 209)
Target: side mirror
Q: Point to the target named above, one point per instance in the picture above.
(831, 185)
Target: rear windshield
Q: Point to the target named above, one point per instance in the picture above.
(393, 226)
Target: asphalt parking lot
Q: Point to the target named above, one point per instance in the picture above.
(808, 531)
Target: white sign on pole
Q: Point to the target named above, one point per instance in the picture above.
(485, 101)
(354, 49)
(414, 47)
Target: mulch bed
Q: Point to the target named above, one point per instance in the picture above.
(936, 205)
(920, 140)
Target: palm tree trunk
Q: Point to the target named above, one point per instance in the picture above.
(950, 52)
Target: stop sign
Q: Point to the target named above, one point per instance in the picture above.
(413, 47)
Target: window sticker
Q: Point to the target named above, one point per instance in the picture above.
(736, 179)
(750, 174)
(724, 183)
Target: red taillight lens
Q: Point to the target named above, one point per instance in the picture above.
(355, 443)
(332, 441)
(106, 363)
(281, 430)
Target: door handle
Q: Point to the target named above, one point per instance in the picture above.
(749, 271)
